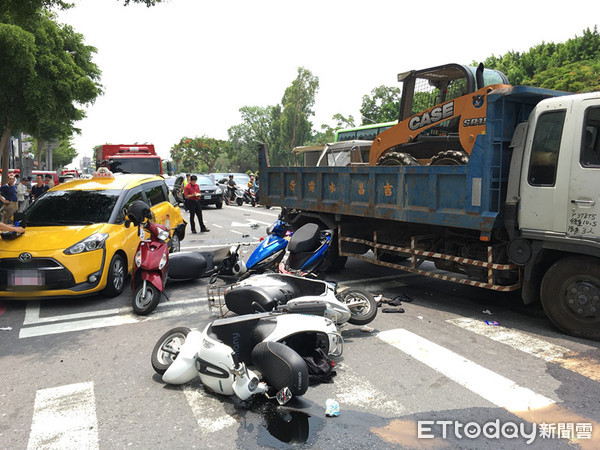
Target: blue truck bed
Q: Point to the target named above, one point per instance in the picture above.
(470, 196)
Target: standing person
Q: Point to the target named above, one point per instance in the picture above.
(187, 180)
(9, 198)
(49, 181)
(39, 188)
(21, 192)
(192, 193)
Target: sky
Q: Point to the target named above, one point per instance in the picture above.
(186, 67)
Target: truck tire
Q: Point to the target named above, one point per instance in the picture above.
(397, 159)
(570, 294)
(450, 158)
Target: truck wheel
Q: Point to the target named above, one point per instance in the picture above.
(570, 295)
(397, 159)
(450, 158)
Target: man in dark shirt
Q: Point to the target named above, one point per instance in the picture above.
(39, 188)
(193, 195)
(9, 199)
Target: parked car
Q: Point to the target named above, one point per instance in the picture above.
(211, 193)
(76, 240)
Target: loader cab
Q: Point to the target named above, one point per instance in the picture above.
(423, 89)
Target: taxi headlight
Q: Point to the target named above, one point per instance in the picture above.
(218, 192)
(91, 243)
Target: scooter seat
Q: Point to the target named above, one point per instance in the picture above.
(186, 265)
(305, 239)
(241, 299)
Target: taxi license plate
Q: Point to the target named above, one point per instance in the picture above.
(26, 278)
(207, 196)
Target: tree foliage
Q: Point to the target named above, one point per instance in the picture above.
(199, 154)
(328, 134)
(570, 66)
(49, 73)
(383, 105)
(293, 125)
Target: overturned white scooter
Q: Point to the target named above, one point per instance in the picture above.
(274, 343)
(277, 291)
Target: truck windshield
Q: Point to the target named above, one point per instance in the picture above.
(136, 165)
(72, 208)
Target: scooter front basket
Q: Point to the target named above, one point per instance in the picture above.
(216, 299)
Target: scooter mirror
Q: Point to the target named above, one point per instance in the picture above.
(284, 396)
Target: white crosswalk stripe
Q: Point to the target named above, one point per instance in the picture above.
(65, 418)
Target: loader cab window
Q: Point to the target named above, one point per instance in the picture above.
(590, 146)
(545, 148)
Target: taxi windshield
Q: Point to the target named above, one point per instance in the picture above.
(72, 208)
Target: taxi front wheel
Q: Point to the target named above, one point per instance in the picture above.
(116, 277)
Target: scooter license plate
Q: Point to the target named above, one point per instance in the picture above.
(26, 278)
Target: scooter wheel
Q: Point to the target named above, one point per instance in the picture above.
(363, 307)
(167, 348)
(239, 201)
(144, 302)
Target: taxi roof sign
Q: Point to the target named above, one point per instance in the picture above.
(103, 172)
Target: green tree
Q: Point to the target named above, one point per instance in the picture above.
(328, 133)
(48, 71)
(570, 66)
(256, 128)
(383, 105)
(64, 154)
(198, 154)
(293, 122)
(18, 11)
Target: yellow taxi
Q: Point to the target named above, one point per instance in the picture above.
(76, 241)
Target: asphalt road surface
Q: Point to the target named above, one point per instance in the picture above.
(461, 367)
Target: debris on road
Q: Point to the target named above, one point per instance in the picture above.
(392, 310)
(487, 311)
(492, 322)
(366, 329)
(332, 408)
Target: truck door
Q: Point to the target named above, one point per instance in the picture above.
(583, 218)
(546, 167)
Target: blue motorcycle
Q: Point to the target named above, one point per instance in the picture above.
(308, 250)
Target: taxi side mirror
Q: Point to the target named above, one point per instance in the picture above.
(127, 223)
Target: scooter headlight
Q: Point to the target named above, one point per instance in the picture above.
(163, 261)
(91, 243)
(138, 258)
(163, 235)
(336, 344)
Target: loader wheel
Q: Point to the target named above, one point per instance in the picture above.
(397, 159)
(450, 158)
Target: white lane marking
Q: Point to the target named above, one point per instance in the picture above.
(513, 338)
(216, 225)
(32, 312)
(208, 410)
(236, 232)
(352, 389)
(491, 386)
(584, 365)
(65, 418)
(90, 320)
